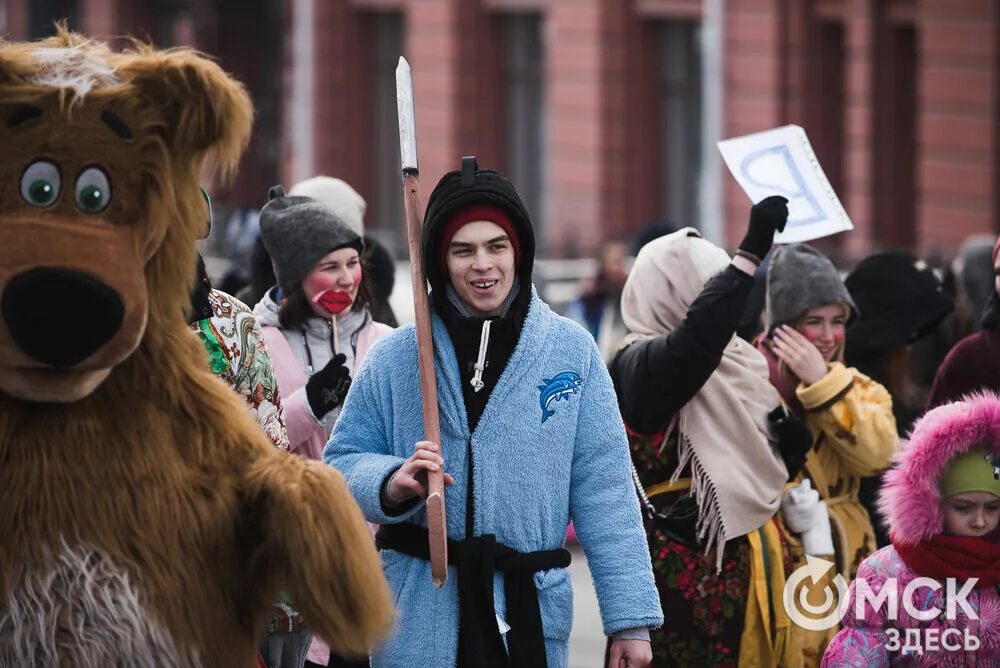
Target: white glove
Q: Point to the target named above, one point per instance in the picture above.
(805, 514)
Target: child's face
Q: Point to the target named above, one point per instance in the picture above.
(971, 513)
(824, 327)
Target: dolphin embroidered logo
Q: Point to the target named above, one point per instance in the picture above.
(559, 387)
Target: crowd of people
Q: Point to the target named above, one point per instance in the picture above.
(742, 415)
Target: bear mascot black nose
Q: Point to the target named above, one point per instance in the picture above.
(60, 317)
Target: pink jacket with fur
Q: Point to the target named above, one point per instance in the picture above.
(910, 502)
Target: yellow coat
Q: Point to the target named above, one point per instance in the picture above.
(854, 436)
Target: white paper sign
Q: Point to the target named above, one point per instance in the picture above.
(781, 162)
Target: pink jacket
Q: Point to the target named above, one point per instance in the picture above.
(868, 642)
(306, 435)
(910, 502)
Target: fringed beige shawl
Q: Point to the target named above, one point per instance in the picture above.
(737, 477)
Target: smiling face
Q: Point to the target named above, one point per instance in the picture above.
(971, 514)
(338, 270)
(824, 327)
(480, 260)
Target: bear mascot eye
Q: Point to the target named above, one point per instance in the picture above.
(41, 183)
(93, 190)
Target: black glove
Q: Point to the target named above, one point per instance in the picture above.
(793, 436)
(766, 217)
(327, 388)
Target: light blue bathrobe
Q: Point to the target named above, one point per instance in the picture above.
(550, 447)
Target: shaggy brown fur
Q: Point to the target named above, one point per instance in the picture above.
(138, 453)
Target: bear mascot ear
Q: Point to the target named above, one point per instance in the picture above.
(207, 115)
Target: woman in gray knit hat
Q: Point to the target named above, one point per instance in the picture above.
(850, 416)
(314, 251)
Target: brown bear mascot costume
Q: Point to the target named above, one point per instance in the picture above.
(145, 519)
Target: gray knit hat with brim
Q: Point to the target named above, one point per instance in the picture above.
(298, 232)
(800, 278)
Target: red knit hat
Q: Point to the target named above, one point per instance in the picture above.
(475, 212)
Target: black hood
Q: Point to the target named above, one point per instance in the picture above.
(481, 186)
(454, 192)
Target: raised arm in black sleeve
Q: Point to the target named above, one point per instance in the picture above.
(655, 377)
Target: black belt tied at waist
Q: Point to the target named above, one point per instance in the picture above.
(479, 641)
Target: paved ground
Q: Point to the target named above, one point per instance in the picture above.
(586, 640)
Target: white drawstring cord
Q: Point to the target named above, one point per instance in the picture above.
(484, 342)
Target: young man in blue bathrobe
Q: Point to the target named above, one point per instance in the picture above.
(531, 438)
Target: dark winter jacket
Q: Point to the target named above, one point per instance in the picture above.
(900, 300)
(661, 374)
(972, 365)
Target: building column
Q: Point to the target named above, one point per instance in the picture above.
(754, 68)
(99, 18)
(959, 109)
(299, 86)
(433, 48)
(574, 209)
(340, 136)
(16, 19)
(859, 77)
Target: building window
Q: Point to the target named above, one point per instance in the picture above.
(894, 193)
(826, 99)
(524, 105)
(42, 15)
(385, 207)
(680, 97)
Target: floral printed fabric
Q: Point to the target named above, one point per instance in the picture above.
(705, 609)
(239, 356)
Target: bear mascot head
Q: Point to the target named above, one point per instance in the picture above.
(145, 519)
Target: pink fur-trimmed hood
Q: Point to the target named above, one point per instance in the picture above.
(910, 499)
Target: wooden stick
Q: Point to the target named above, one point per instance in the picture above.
(437, 528)
(436, 520)
(336, 336)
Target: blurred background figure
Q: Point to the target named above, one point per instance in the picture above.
(900, 301)
(598, 308)
(261, 273)
(380, 268)
(650, 231)
(241, 232)
(974, 363)
(973, 272)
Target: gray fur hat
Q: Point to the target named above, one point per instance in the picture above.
(298, 232)
(800, 278)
